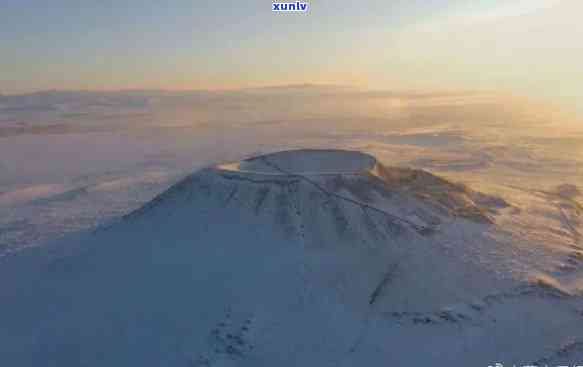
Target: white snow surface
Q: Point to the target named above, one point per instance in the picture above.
(124, 244)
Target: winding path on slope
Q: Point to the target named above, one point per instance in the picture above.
(331, 162)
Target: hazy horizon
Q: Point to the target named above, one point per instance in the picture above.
(526, 48)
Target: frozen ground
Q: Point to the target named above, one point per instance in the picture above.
(70, 161)
(289, 259)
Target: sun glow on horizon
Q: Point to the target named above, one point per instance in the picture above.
(527, 47)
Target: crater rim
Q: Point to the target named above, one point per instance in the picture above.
(310, 162)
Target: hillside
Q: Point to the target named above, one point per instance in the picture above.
(307, 257)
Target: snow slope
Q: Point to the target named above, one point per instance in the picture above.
(308, 257)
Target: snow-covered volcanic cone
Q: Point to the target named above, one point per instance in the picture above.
(298, 258)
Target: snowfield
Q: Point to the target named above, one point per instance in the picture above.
(310, 226)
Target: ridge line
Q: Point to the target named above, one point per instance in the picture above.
(419, 229)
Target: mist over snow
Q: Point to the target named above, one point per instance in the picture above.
(394, 221)
(71, 160)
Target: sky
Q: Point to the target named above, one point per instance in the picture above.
(526, 47)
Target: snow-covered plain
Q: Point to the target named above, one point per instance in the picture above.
(473, 292)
